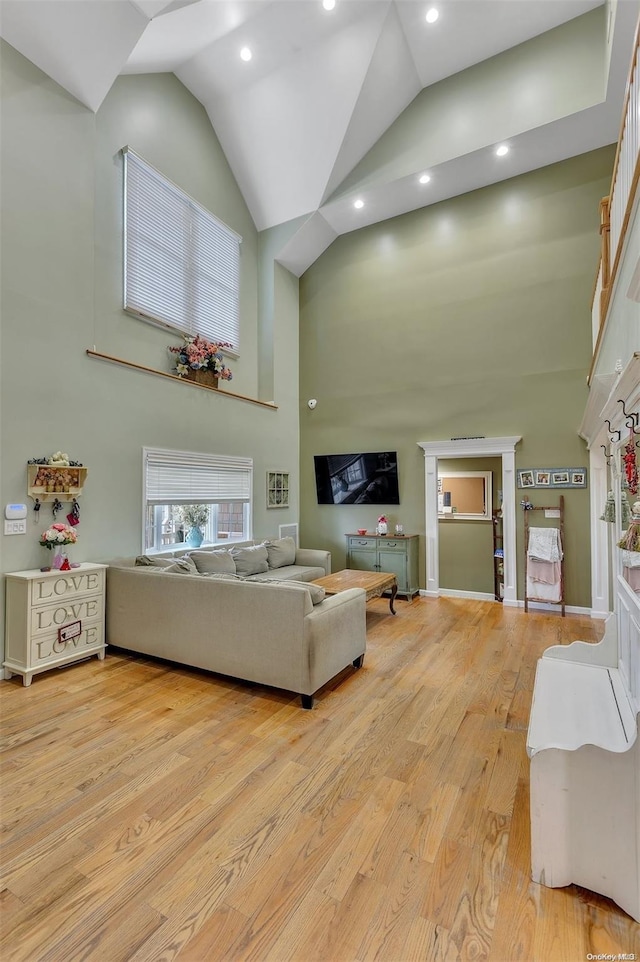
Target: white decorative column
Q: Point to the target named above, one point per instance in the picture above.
(600, 533)
(431, 526)
(509, 528)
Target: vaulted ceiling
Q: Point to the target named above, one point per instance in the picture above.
(359, 102)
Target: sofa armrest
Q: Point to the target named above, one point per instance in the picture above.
(336, 635)
(314, 558)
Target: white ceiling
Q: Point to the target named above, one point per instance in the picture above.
(304, 123)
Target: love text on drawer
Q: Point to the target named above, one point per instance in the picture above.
(54, 617)
(90, 638)
(74, 583)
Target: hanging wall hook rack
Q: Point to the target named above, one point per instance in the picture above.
(607, 454)
(632, 423)
(612, 432)
(628, 414)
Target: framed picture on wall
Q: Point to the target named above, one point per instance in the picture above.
(277, 489)
(552, 478)
(525, 479)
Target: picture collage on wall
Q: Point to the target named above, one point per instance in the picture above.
(552, 478)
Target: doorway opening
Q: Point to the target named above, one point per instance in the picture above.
(471, 448)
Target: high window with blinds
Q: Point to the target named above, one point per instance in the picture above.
(181, 264)
(192, 499)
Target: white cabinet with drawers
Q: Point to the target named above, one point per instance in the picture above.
(53, 618)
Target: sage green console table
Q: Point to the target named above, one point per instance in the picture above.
(399, 556)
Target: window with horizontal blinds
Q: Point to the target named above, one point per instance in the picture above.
(183, 477)
(181, 264)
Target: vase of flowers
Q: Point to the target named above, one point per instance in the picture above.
(56, 539)
(201, 361)
(382, 525)
(193, 517)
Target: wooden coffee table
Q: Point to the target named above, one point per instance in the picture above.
(373, 582)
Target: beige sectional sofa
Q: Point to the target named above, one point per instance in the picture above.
(267, 626)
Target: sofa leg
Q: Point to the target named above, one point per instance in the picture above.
(358, 663)
(307, 701)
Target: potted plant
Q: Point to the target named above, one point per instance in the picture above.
(56, 538)
(194, 517)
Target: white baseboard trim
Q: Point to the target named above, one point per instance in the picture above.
(537, 605)
(544, 606)
(473, 595)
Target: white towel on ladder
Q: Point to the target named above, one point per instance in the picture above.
(544, 544)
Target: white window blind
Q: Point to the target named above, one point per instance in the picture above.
(182, 477)
(181, 264)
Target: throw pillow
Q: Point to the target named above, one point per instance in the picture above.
(149, 561)
(187, 565)
(252, 560)
(316, 592)
(213, 562)
(281, 552)
(179, 568)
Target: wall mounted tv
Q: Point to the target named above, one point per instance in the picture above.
(357, 478)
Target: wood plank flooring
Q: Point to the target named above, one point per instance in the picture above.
(152, 813)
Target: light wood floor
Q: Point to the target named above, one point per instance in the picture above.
(151, 812)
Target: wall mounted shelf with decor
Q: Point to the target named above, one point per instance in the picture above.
(49, 482)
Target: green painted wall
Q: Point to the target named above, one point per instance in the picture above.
(471, 317)
(61, 193)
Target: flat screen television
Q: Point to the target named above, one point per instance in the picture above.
(357, 478)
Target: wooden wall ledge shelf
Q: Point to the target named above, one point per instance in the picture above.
(62, 482)
(174, 377)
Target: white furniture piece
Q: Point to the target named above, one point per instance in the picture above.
(53, 618)
(585, 767)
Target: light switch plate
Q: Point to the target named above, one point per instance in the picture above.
(15, 527)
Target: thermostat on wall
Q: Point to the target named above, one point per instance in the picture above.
(15, 512)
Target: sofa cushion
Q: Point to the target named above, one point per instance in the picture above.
(294, 572)
(315, 592)
(281, 552)
(251, 560)
(149, 561)
(222, 576)
(213, 562)
(185, 565)
(178, 568)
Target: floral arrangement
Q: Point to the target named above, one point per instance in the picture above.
(382, 519)
(193, 515)
(58, 534)
(198, 354)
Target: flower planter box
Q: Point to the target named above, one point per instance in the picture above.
(203, 376)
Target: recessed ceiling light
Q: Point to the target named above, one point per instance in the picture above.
(502, 150)
(425, 179)
(328, 4)
(432, 15)
(246, 54)
(358, 204)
